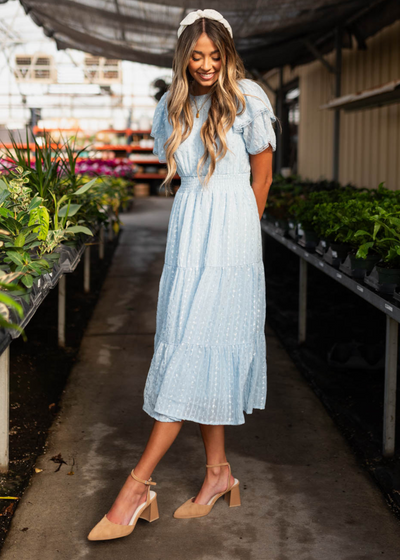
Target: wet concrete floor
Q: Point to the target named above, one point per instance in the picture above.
(303, 495)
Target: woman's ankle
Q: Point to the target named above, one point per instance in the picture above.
(214, 472)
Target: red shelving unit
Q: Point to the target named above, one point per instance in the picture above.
(153, 176)
(122, 147)
(120, 150)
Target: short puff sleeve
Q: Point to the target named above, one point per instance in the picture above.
(158, 130)
(255, 123)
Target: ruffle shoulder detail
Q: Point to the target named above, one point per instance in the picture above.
(158, 129)
(255, 123)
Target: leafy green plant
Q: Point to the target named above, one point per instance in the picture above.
(44, 166)
(44, 206)
(51, 219)
(341, 220)
(7, 286)
(384, 237)
(367, 219)
(24, 223)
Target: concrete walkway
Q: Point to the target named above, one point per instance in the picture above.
(303, 495)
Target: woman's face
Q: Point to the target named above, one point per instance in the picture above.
(204, 65)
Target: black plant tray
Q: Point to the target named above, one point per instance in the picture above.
(280, 228)
(70, 255)
(322, 247)
(372, 280)
(356, 355)
(292, 231)
(354, 272)
(29, 307)
(309, 245)
(382, 301)
(330, 256)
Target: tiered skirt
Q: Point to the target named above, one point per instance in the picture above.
(209, 363)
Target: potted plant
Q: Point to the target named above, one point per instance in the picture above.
(302, 212)
(385, 240)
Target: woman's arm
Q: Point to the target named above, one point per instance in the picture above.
(261, 171)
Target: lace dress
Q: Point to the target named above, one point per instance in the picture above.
(209, 363)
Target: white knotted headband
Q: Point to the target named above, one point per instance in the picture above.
(210, 14)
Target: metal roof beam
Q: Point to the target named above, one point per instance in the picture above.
(257, 74)
(319, 56)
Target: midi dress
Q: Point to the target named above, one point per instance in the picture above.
(209, 363)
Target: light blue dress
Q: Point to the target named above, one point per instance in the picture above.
(209, 363)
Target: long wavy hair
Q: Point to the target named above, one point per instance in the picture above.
(227, 100)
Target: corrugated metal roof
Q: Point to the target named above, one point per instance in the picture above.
(267, 33)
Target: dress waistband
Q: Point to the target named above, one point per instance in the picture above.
(226, 181)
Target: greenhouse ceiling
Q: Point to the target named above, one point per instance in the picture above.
(268, 33)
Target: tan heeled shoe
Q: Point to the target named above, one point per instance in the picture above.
(106, 529)
(191, 509)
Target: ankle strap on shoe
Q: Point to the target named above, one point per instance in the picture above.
(229, 475)
(218, 465)
(147, 482)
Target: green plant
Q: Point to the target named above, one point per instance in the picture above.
(7, 301)
(45, 173)
(384, 237)
(24, 223)
(50, 218)
(342, 219)
(44, 206)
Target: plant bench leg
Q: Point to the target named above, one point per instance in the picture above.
(4, 409)
(302, 301)
(86, 270)
(389, 413)
(61, 311)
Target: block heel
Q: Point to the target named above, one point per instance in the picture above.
(150, 514)
(233, 496)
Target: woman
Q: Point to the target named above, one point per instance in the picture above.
(209, 365)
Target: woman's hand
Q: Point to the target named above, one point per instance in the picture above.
(261, 171)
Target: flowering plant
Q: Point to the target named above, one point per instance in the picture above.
(118, 167)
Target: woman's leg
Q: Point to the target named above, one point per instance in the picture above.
(133, 493)
(216, 479)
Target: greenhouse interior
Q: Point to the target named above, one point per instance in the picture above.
(134, 299)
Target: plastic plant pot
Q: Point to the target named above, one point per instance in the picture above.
(322, 246)
(70, 255)
(292, 229)
(281, 226)
(356, 355)
(369, 262)
(308, 239)
(388, 275)
(384, 280)
(38, 291)
(53, 277)
(336, 253)
(357, 267)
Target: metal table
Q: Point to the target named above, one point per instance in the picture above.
(386, 304)
(69, 260)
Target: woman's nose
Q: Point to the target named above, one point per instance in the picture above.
(207, 65)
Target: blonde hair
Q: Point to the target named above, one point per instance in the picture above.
(227, 99)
